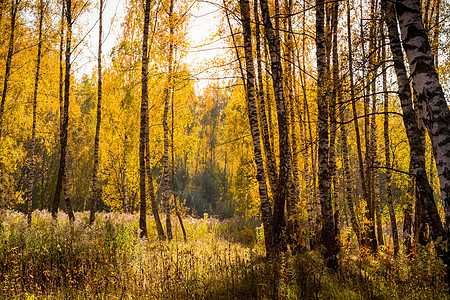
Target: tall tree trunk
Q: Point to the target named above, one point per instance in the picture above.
(61, 74)
(270, 160)
(369, 224)
(14, 8)
(336, 95)
(175, 198)
(310, 168)
(61, 67)
(373, 152)
(387, 154)
(348, 192)
(294, 178)
(328, 229)
(95, 191)
(33, 130)
(283, 132)
(167, 95)
(143, 129)
(375, 171)
(62, 173)
(424, 193)
(266, 210)
(430, 96)
(368, 236)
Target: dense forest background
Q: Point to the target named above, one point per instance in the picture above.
(326, 122)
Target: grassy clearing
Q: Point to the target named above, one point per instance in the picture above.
(221, 260)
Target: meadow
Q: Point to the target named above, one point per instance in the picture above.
(220, 260)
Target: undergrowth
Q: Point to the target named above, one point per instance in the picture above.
(221, 260)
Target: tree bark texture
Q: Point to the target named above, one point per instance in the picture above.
(270, 160)
(336, 96)
(62, 172)
(328, 229)
(294, 178)
(14, 8)
(143, 131)
(423, 190)
(430, 96)
(368, 236)
(165, 159)
(283, 132)
(95, 190)
(33, 130)
(266, 210)
(387, 155)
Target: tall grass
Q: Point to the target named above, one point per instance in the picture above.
(221, 260)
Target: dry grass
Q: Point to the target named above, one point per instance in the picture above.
(108, 261)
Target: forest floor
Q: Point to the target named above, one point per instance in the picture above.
(220, 260)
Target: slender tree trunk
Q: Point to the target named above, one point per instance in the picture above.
(407, 220)
(387, 155)
(294, 178)
(14, 8)
(270, 160)
(313, 213)
(368, 236)
(61, 68)
(165, 160)
(348, 192)
(143, 131)
(283, 132)
(62, 173)
(266, 210)
(175, 198)
(369, 224)
(269, 109)
(33, 131)
(61, 73)
(124, 176)
(151, 191)
(95, 191)
(335, 98)
(373, 152)
(375, 172)
(328, 229)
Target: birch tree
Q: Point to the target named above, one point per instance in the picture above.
(430, 96)
(41, 8)
(328, 226)
(144, 114)
(266, 210)
(95, 190)
(61, 183)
